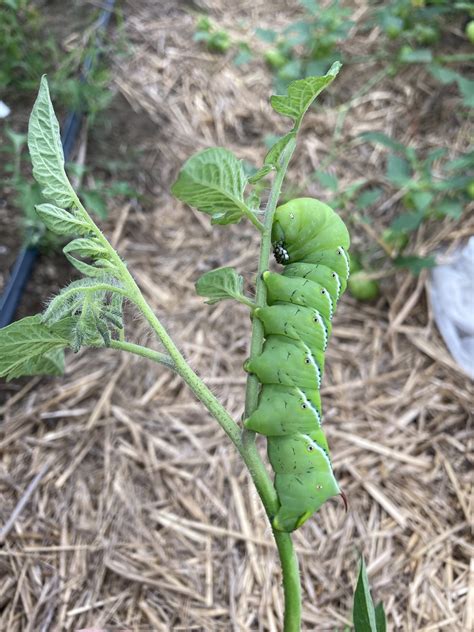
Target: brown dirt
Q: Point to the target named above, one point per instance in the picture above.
(142, 516)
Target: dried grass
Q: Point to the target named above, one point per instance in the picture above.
(138, 515)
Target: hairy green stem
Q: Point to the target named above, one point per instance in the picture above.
(288, 558)
(150, 354)
(252, 217)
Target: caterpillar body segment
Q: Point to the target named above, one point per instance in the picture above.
(321, 274)
(311, 242)
(336, 259)
(299, 291)
(301, 462)
(288, 362)
(296, 322)
(284, 410)
(308, 226)
(298, 453)
(317, 486)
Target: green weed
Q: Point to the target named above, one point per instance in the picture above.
(307, 46)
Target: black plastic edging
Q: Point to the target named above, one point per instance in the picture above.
(28, 255)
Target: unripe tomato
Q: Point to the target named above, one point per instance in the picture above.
(361, 287)
(426, 34)
(470, 31)
(275, 58)
(219, 42)
(470, 190)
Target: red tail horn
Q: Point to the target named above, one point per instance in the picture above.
(344, 498)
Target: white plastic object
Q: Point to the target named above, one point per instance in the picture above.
(4, 110)
(452, 299)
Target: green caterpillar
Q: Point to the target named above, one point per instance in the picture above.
(311, 241)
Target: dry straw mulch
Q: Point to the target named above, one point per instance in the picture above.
(123, 503)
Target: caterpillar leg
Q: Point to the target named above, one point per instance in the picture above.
(285, 520)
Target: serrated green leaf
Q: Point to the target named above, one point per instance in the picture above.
(454, 183)
(327, 180)
(368, 197)
(213, 181)
(380, 618)
(465, 161)
(301, 94)
(414, 263)
(229, 217)
(218, 285)
(363, 611)
(261, 173)
(46, 151)
(291, 71)
(266, 35)
(275, 152)
(434, 155)
(451, 208)
(86, 247)
(383, 139)
(30, 347)
(466, 88)
(244, 55)
(407, 222)
(447, 76)
(422, 200)
(443, 75)
(60, 221)
(398, 170)
(100, 267)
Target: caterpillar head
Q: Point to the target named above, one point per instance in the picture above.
(280, 253)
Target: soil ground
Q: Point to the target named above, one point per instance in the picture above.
(143, 517)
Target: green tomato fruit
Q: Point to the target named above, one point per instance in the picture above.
(219, 42)
(362, 288)
(470, 190)
(204, 24)
(426, 34)
(275, 58)
(393, 31)
(470, 31)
